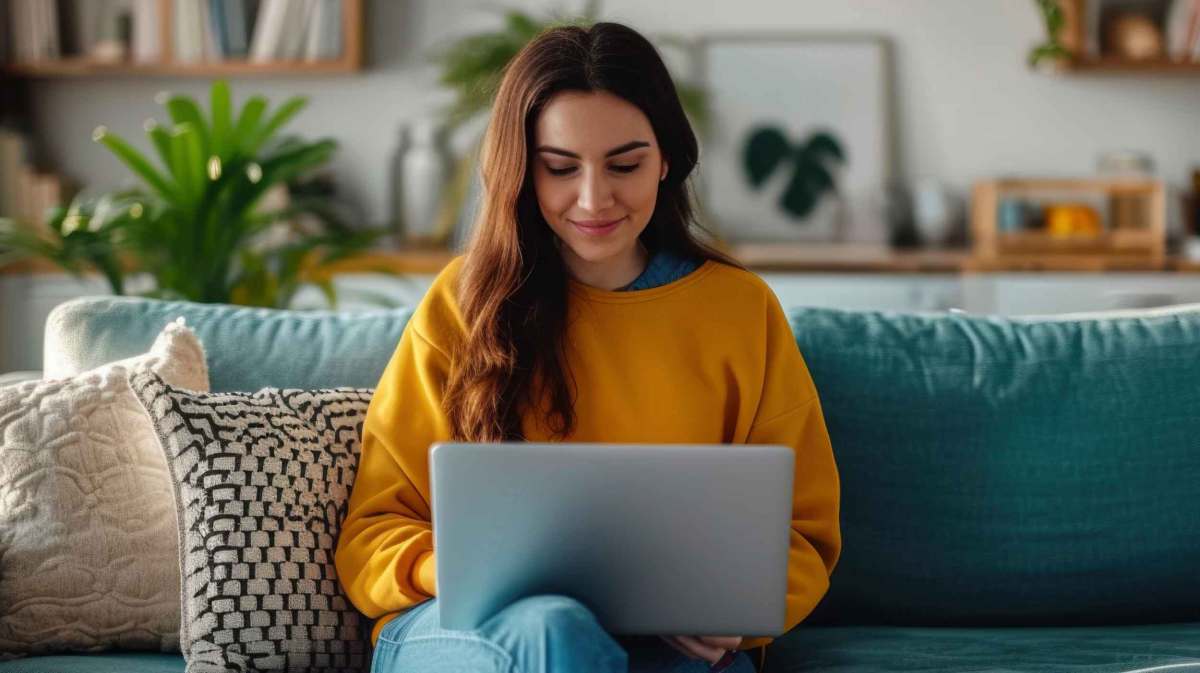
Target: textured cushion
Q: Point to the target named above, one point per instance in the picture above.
(1011, 471)
(1150, 648)
(88, 556)
(249, 348)
(262, 481)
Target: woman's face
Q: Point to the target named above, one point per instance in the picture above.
(596, 170)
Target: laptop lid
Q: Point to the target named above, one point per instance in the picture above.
(654, 538)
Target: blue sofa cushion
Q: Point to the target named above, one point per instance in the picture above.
(247, 348)
(859, 649)
(1011, 471)
(1157, 648)
(108, 662)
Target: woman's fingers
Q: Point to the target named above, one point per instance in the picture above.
(670, 640)
(696, 648)
(724, 642)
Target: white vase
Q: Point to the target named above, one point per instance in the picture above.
(421, 173)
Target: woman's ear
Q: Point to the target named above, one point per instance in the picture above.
(665, 169)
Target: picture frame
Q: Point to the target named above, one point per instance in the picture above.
(781, 107)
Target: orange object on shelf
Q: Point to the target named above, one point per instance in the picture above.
(1065, 220)
(1131, 230)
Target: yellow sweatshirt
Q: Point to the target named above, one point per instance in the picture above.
(708, 358)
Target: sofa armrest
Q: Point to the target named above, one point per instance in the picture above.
(13, 378)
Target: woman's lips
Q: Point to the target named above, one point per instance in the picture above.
(596, 227)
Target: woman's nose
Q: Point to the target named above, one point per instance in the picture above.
(595, 194)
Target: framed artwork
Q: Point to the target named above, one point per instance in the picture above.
(798, 144)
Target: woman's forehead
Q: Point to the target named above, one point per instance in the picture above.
(591, 123)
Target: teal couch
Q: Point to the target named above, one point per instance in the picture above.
(1017, 494)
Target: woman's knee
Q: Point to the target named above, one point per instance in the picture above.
(554, 630)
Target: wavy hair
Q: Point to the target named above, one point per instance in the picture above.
(513, 288)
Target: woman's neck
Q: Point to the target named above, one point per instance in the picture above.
(608, 274)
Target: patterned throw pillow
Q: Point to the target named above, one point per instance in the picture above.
(88, 541)
(262, 481)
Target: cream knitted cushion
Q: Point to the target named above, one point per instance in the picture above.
(88, 542)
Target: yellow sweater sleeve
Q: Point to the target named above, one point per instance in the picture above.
(790, 414)
(384, 555)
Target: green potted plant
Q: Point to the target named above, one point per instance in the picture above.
(1052, 49)
(199, 225)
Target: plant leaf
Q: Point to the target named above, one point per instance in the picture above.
(247, 124)
(822, 143)
(283, 115)
(221, 119)
(161, 139)
(184, 110)
(764, 150)
(137, 163)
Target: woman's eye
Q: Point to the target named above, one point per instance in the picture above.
(620, 168)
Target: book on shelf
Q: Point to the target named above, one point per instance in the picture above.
(6, 54)
(289, 30)
(200, 31)
(324, 41)
(33, 26)
(50, 30)
(147, 35)
(232, 22)
(14, 154)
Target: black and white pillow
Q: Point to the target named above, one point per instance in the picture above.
(262, 481)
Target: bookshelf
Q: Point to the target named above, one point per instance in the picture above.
(1082, 36)
(168, 65)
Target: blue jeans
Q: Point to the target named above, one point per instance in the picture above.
(540, 634)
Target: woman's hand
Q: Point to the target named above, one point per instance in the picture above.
(707, 648)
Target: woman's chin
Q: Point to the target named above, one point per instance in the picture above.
(593, 252)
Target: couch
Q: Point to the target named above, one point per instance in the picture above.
(1017, 494)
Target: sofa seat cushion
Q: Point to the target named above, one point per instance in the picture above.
(109, 662)
(887, 649)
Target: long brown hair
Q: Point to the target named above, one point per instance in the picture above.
(513, 288)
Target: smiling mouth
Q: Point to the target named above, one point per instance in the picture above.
(596, 224)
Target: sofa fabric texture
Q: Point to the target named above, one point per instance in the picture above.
(248, 348)
(1002, 472)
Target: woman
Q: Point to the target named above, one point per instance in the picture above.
(581, 310)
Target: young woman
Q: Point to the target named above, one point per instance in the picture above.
(584, 310)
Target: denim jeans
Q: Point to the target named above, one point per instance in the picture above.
(540, 634)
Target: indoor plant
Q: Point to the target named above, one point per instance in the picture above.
(199, 225)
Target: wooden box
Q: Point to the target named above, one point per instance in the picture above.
(1130, 229)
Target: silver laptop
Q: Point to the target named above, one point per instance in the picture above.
(673, 539)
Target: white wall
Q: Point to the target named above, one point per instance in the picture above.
(966, 106)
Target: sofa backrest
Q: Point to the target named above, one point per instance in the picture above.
(247, 348)
(1011, 471)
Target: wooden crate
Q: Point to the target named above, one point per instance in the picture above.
(1138, 236)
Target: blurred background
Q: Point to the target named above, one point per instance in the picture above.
(991, 156)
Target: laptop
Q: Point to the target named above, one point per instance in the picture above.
(667, 539)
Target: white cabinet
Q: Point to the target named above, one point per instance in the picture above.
(1049, 293)
(873, 291)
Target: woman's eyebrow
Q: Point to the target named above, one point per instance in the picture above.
(611, 153)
